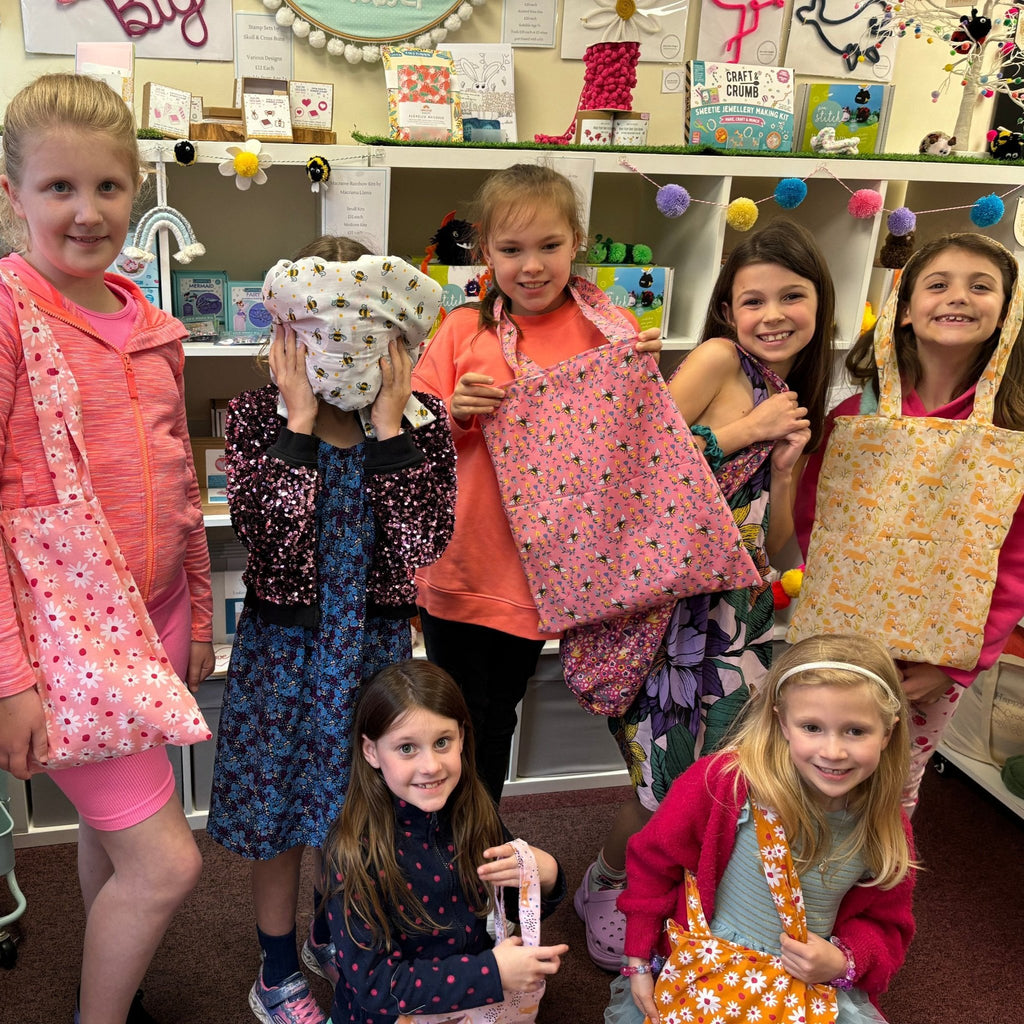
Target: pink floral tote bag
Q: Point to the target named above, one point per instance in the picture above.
(518, 1007)
(106, 682)
(612, 507)
(911, 514)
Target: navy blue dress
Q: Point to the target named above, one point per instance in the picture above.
(283, 744)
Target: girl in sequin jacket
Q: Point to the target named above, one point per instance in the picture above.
(335, 522)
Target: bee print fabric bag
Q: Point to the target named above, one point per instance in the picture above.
(612, 507)
(707, 978)
(106, 683)
(910, 516)
(518, 1006)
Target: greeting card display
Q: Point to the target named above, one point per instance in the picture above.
(167, 110)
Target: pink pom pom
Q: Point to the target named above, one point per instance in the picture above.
(864, 203)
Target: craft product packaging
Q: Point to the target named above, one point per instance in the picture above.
(246, 313)
(645, 291)
(594, 127)
(460, 284)
(423, 103)
(200, 298)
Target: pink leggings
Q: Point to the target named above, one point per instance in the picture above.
(927, 724)
(120, 792)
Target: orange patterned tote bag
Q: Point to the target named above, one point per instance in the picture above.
(107, 685)
(911, 514)
(708, 979)
(612, 507)
(518, 1007)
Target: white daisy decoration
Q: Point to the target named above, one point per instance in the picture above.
(247, 163)
(624, 21)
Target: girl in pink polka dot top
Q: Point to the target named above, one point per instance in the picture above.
(412, 860)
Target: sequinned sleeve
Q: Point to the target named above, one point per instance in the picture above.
(411, 483)
(380, 983)
(272, 484)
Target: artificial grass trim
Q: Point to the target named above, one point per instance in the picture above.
(384, 140)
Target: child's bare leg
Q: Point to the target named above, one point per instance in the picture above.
(630, 818)
(133, 880)
(275, 891)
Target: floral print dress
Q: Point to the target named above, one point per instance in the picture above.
(717, 648)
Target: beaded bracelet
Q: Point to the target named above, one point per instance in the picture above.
(629, 970)
(844, 980)
(713, 454)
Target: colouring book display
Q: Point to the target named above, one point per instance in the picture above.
(611, 514)
(852, 110)
(739, 106)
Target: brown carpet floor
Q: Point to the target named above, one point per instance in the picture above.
(964, 966)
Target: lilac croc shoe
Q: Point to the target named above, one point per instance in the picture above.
(605, 923)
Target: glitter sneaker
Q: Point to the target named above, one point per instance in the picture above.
(320, 959)
(287, 1003)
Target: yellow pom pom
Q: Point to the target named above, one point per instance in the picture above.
(741, 214)
(792, 580)
(948, 67)
(247, 164)
(869, 318)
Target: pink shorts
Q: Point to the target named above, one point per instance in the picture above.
(115, 794)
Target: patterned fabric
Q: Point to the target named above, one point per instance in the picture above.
(911, 513)
(346, 313)
(518, 1007)
(610, 503)
(707, 977)
(107, 685)
(283, 746)
(716, 649)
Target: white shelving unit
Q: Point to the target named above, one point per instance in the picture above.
(246, 232)
(985, 775)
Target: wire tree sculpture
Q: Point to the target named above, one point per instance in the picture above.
(984, 59)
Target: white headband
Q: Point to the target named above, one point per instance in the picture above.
(842, 666)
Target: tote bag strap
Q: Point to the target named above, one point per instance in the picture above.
(784, 882)
(528, 895)
(55, 395)
(890, 399)
(594, 304)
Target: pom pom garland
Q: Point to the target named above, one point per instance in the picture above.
(610, 76)
(672, 200)
(864, 203)
(790, 193)
(741, 214)
(901, 222)
(987, 210)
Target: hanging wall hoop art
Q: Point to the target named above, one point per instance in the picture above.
(356, 31)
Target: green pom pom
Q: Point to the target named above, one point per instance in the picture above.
(597, 253)
(642, 254)
(617, 252)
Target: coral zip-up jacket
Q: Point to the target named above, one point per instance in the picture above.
(140, 458)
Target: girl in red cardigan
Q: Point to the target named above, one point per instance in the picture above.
(823, 744)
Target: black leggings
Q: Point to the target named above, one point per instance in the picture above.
(492, 669)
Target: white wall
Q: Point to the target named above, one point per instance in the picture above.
(547, 87)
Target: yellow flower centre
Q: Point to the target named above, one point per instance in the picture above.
(246, 164)
(625, 9)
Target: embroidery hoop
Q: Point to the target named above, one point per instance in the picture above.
(349, 31)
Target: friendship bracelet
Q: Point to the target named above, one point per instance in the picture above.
(844, 981)
(630, 969)
(713, 454)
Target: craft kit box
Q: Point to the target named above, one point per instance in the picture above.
(228, 599)
(145, 275)
(246, 312)
(740, 106)
(644, 291)
(460, 284)
(201, 299)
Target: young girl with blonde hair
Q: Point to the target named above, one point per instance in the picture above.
(823, 745)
